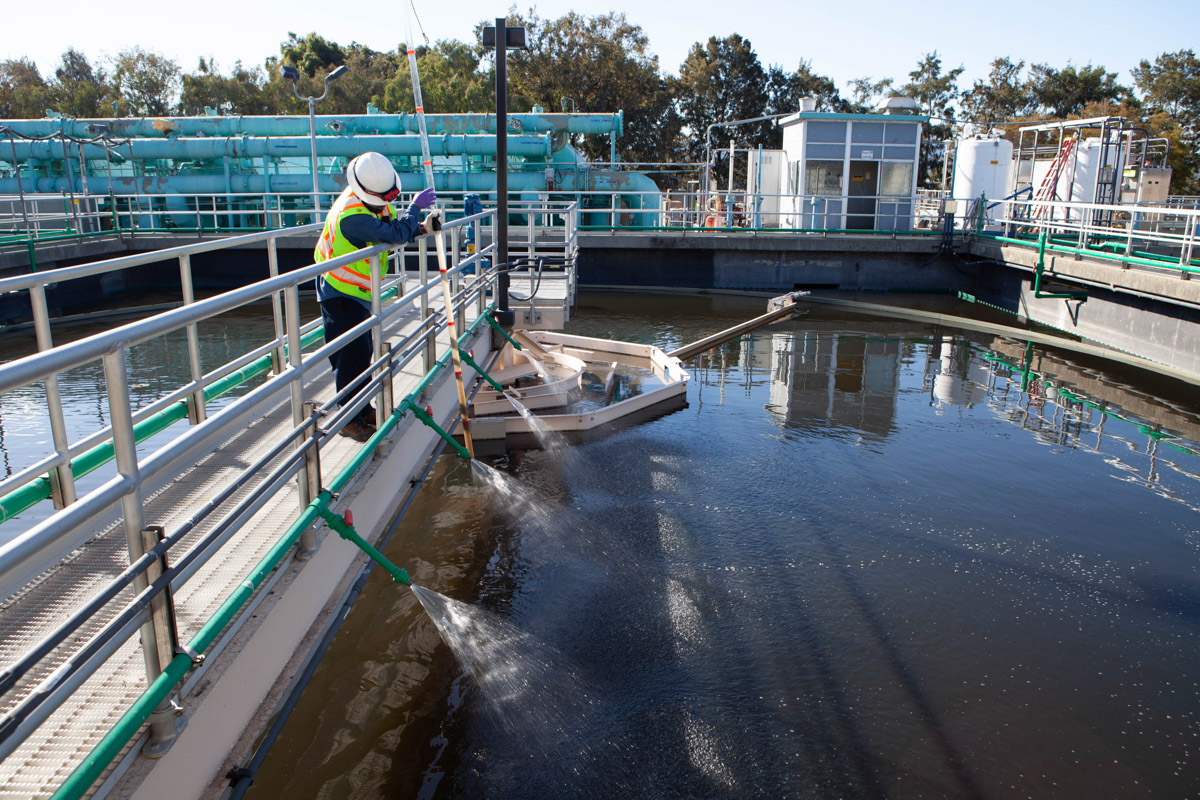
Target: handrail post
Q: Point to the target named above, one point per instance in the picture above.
(197, 412)
(309, 480)
(481, 297)
(377, 336)
(423, 277)
(164, 722)
(460, 314)
(62, 481)
(279, 354)
(120, 411)
(291, 319)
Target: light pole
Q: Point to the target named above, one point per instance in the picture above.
(502, 38)
(293, 75)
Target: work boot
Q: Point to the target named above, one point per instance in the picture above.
(358, 429)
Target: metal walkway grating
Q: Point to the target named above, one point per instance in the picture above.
(42, 762)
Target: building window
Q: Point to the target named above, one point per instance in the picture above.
(895, 178)
(823, 178)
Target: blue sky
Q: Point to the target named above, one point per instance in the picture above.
(844, 40)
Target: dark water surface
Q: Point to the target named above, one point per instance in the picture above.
(869, 559)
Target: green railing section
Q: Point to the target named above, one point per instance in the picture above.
(81, 780)
(1071, 247)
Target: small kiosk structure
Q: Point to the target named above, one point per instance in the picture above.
(852, 171)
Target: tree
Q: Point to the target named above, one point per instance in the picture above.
(867, 92)
(241, 92)
(312, 54)
(936, 94)
(23, 92)
(786, 89)
(81, 90)
(1171, 87)
(146, 82)
(723, 81)
(366, 80)
(1063, 92)
(1172, 84)
(601, 63)
(1003, 96)
(451, 81)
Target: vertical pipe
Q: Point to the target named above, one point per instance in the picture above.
(312, 141)
(480, 300)
(307, 490)
(530, 233)
(20, 187)
(501, 221)
(62, 481)
(71, 187)
(197, 413)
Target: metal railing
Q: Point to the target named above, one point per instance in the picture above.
(1136, 235)
(291, 360)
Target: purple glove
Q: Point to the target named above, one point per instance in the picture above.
(425, 198)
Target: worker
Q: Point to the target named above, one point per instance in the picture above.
(361, 216)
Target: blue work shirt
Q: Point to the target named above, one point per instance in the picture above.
(362, 230)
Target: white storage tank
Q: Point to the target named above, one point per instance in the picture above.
(982, 165)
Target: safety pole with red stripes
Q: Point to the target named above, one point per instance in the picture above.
(447, 297)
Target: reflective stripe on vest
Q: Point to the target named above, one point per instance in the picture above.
(353, 279)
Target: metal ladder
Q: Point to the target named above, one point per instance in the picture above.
(1048, 190)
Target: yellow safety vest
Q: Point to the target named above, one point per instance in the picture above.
(352, 279)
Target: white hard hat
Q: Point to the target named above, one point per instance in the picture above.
(373, 179)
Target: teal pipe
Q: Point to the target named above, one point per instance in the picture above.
(1039, 271)
(207, 148)
(88, 772)
(326, 125)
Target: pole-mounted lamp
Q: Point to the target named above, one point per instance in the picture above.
(293, 75)
(509, 39)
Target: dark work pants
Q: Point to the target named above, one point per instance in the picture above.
(340, 314)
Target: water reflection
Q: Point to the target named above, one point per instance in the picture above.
(831, 381)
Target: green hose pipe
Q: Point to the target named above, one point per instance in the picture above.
(500, 328)
(465, 356)
(345, 528)
(1099, 254)
(427, 418)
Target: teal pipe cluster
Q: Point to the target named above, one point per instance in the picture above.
(326, 125)
(207, 148)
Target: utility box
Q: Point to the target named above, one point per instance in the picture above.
(766, 184)
(1146, 185)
